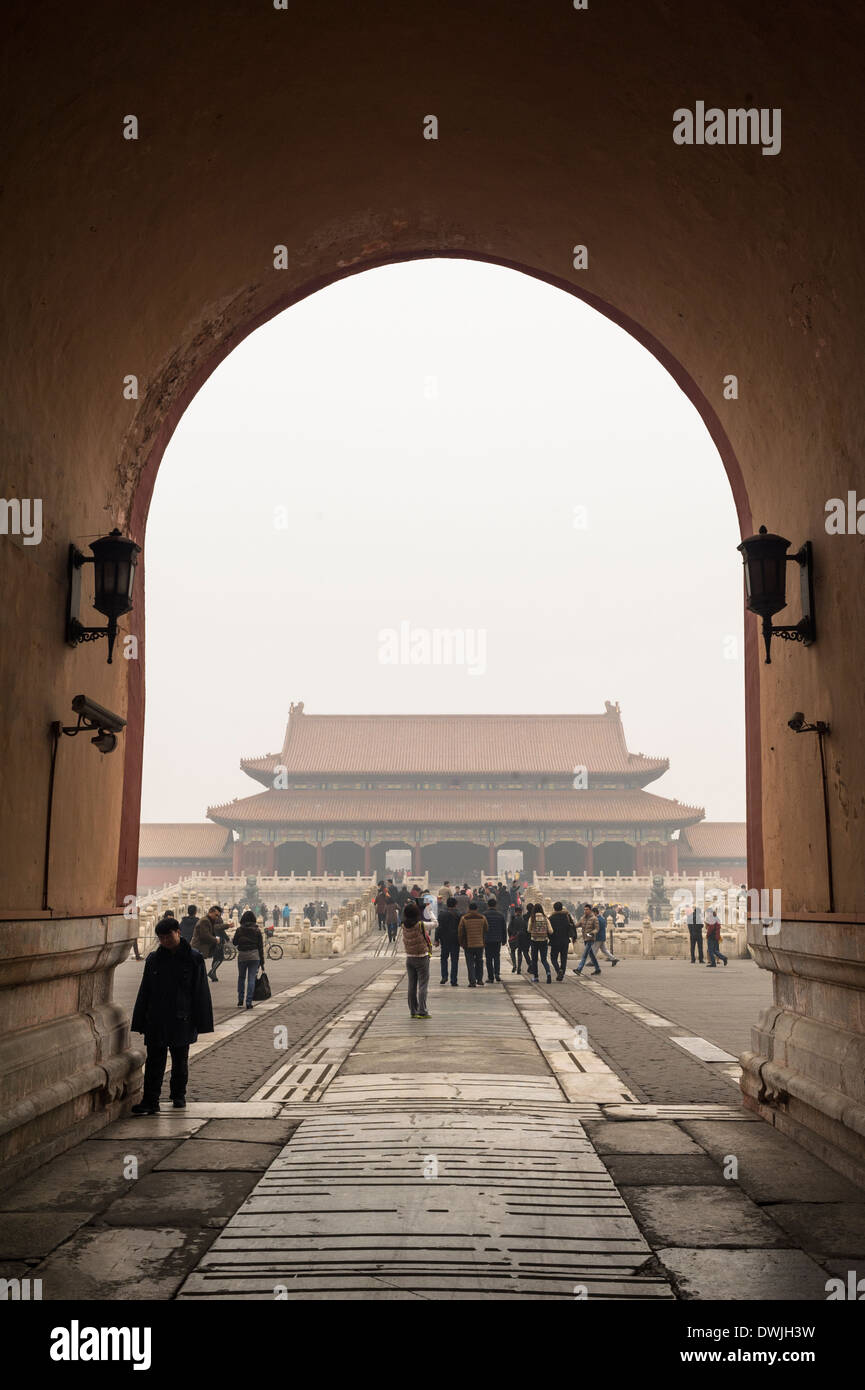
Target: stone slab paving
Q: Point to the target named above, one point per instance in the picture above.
(721, 1005)
(703, 1216)
(121, 1263)
(425, 1208)
(787, 1276)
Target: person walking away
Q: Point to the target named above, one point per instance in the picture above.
(600, 942)
(713, 938)
(564, 932)
(380, 904)
(516, 927)
(416, 944)
(274, 917)
(286, 916)
(524, 941)
(187, 925)
(462, 901)
(497, 935)
(588, 931)
(694, 920)
(503, 901)
(540, 932)
(204, 938)
(447, 935)
(250, 955)
(173, 1006)
(472, 934)
(391, 919)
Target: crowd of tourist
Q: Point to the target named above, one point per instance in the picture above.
(479, 922)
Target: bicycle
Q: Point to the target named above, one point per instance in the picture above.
(274, 951)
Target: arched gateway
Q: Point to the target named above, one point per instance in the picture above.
(276, 154)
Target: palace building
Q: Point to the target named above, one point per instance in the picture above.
(454, 790)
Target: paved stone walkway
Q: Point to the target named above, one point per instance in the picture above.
(526, 1141)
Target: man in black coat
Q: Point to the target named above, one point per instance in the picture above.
(187, 926)
(172, 1008)
(495, 939)
(448, 938)
(564, 932)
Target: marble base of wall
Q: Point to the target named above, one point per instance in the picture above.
(66, 1063)
(806, 1070)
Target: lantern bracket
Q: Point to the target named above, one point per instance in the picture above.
(805, 631)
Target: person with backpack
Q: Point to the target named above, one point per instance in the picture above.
(416, 944)
(496, 937)
(540, 932)
(564, 932)
(250, 955)
(588, 931)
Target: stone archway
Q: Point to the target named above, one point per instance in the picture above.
(155, 282)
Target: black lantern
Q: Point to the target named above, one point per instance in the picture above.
(765, 559)
(114, 560)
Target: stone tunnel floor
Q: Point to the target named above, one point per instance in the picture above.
(578, 1139)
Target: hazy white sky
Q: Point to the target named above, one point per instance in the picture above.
(452, 445)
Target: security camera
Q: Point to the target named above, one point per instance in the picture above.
(96, 716)
(797, 723)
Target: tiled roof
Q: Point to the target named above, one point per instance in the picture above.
(714, 839)
(178, 841)
(351, 807)
(456, 744)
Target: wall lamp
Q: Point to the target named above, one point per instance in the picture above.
(765, 559)
(95, 719)
(800, 725)
(114, 559)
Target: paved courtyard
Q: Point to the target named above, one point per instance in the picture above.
(580, 1139)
